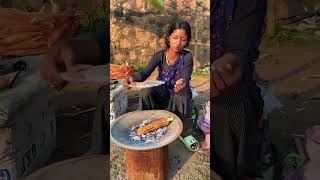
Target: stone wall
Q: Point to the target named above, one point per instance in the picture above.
(36, 4)
(136, 27)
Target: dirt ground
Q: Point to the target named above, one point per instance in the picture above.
(292, 71)
(294, 75)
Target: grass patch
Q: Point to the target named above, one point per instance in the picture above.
(139, 67)
(205, 71)
(285, 36)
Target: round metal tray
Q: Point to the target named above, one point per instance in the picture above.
(121, 127)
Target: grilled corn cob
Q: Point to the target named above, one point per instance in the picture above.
(153, 126)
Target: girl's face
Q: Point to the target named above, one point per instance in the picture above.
(178, 40)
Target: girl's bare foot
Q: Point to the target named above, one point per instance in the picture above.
(206, 144)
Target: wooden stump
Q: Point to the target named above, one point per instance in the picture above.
(148, 164)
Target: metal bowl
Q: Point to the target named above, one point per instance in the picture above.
(121, 128)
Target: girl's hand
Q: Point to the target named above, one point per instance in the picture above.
(180, 84)
(50, 73)
(128, 81)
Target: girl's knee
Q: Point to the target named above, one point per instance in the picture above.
(146, 92)
(183, 95)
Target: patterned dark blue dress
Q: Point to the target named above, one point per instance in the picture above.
(163, 97)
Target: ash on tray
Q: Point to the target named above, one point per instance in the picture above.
(152, 137)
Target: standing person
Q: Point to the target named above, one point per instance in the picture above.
(175, 66)
(236, 31)
(69, 56)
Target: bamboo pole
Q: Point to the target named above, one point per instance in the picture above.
(271, 17)
(196, 30)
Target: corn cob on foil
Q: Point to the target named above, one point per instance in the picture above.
(150, 130)
(153, 126)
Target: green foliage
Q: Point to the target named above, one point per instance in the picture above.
(158, 4)
(96, 18)
(289, 36)
(197, 111)
(199, 2)
(281, 35)
(202, 71)
(139, 67)
(29, 8)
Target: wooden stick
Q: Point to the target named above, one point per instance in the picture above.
(296, 135)
(314, 76)
(271, 20)
(25, 52)
(77, 113)
(57, 34)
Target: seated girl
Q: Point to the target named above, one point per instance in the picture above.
(175, 65)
